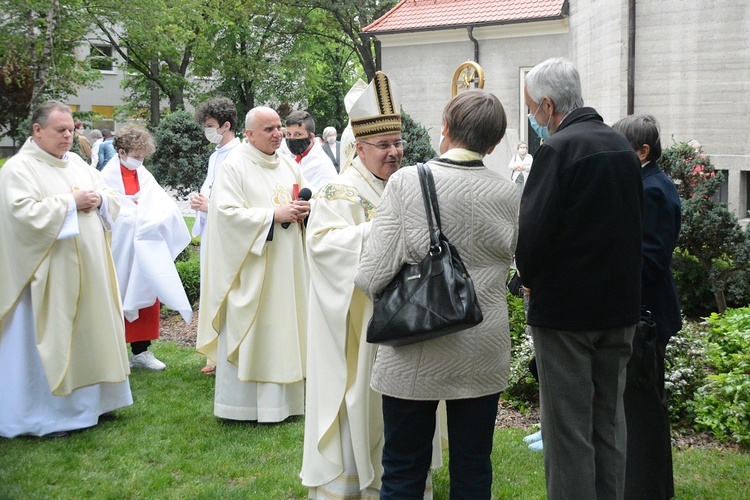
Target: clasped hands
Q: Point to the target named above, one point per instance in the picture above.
(295, 211)
(86, 200)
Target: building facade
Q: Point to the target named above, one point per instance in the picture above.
(686, 64)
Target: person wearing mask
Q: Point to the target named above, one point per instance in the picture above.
(649, 458)
(147, 238)
(467, 369)
(520, 166)
(253, 302)
(81, 145)
(62, 339)
(97, 137)
(219, 117)
(316, 167)
(579, 257)
(332, 147)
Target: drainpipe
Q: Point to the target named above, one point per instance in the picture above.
(476, 52)
(476, 43)
(631, 57)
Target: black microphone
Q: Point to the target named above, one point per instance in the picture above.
(304, 194)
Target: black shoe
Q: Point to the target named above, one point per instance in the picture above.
(107, 417)
(57, 435)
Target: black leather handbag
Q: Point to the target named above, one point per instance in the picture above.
(642, 367)
(429, 299)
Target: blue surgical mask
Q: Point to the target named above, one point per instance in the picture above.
(542, 132)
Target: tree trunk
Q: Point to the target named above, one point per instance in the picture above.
(719, 296)
(155, 108)
(44, 62)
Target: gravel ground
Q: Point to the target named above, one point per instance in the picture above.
(174, 329)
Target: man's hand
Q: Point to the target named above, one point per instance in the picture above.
(199, 202)
(293, 212)
(86, 200)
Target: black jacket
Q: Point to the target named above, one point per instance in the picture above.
(661, 228)
(579, 244)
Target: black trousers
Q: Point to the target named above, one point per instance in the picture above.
(407, 453)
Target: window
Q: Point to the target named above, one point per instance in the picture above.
(101, 58)
(104, 117)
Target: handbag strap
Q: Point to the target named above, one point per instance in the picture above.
(429, 196)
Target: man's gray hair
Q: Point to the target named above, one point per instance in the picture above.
(250, 116)
(558, 79)
(96, 134)
(42, 112)
(328, 130)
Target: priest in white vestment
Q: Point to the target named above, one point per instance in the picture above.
(343, 422)
(253, 304)
(62, 341)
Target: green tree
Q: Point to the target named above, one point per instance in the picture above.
(156, 39)
(182, 153)
(350, 16)
(710, 232)
(40, 39)
(16, 89)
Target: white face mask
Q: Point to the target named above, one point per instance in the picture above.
(131, 163)
(522, 151)
(212, 135)
(331, 140)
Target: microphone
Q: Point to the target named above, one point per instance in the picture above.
(304, 194)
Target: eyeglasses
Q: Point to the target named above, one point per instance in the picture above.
(385, 146)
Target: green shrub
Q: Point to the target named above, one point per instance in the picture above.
(523, 389)
(722, 405)
(685, 371)
(2, 161)
(418, 148)
(694, 289)
(189, 268)
(182, 153)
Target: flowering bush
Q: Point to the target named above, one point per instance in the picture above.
(691, 170)
(710, 232)
(685, 371)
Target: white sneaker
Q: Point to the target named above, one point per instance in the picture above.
(533, 438)
(147, 360)
(537, 446)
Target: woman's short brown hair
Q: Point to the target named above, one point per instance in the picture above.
(134, 138)
(476, 120)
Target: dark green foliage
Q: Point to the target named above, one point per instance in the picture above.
(418, 148)
(722, 405)
(182, 152)
(189, 269)
(522, 390)
(693, 287)
(710, 232)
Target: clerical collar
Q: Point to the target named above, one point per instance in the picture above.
(63, 157)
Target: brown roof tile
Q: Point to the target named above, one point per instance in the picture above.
(413, 15)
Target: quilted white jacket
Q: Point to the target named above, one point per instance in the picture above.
(479, 212)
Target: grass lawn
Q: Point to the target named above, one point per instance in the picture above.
(168, 444)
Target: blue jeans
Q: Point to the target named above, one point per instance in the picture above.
(407, 453)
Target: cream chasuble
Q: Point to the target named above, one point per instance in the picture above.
(339, 358)
(79, 330)
(255, 290)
